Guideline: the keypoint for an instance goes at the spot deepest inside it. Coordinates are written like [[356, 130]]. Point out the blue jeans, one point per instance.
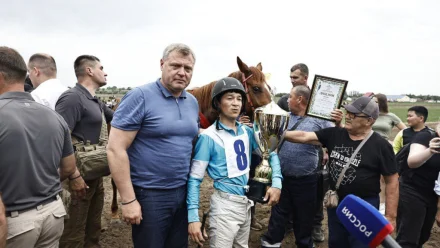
[[338, 236], [298, 199], [164, 218]]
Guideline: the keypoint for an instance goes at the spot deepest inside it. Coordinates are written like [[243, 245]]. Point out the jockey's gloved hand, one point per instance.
[[274, 162]]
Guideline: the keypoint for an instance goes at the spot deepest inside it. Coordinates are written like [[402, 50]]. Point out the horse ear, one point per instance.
[[242, 66], [260, 67]]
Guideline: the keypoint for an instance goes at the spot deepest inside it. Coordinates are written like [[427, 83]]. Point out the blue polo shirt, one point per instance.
[[160, 154]]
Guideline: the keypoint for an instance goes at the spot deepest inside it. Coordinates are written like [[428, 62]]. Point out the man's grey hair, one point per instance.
[[180, 48], [302, 90]]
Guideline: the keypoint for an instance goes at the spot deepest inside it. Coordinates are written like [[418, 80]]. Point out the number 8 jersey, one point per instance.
[[226, 157]]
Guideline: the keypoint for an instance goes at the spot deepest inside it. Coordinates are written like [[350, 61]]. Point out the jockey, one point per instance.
[[224, 150]]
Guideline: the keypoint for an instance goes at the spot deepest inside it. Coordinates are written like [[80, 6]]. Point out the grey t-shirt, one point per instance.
[[33, 140]]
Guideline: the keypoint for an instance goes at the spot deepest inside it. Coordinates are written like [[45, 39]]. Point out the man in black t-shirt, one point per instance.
[[418, 200], [83, 113], [362, 178]]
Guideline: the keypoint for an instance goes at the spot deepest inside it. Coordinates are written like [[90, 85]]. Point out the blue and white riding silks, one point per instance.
[[229, 168]]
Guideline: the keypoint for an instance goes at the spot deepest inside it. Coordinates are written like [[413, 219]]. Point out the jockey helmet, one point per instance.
[[224, 85]]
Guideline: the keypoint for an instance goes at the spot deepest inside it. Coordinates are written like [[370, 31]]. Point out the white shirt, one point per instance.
[[48, 92]]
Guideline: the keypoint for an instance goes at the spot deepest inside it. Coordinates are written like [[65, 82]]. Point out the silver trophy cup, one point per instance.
[[270, 122]]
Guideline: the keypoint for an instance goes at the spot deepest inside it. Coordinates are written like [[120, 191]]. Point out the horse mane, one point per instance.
[[256, 75]]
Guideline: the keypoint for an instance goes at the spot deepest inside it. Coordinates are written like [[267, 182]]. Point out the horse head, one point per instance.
[[258, 91]]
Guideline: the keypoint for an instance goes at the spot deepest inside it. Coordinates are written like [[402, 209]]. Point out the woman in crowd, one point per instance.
[[417, 199], [383, 126], [386, 121]]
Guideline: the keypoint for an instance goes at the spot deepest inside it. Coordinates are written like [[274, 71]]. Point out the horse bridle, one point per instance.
[[247, 90]]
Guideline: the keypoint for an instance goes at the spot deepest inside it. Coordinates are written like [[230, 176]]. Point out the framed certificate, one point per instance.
[[327, 94]]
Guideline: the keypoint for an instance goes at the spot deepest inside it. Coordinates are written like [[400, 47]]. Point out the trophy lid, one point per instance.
[[272, 108]]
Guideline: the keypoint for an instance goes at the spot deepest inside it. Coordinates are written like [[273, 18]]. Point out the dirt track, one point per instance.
[[119, 235]]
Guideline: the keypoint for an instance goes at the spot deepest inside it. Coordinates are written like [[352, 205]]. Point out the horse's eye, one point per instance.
[[256, 89]]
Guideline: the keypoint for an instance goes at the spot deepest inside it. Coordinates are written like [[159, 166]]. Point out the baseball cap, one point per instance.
[[364, 105]]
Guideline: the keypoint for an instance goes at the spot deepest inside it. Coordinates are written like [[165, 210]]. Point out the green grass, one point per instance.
[[401, 109]]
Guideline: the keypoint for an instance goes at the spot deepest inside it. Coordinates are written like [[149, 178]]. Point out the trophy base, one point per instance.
[[257, 191]]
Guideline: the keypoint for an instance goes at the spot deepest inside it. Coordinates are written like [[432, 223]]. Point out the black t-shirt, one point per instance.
[[424, 177], [362, 178], [83, 113]]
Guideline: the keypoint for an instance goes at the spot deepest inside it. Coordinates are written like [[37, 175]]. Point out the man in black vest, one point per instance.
[[416, 119]]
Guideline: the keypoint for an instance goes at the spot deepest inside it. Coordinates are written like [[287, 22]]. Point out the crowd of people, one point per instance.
[[158, 156]]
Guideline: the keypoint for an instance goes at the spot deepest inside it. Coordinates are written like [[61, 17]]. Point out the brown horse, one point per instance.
[[257, 91]]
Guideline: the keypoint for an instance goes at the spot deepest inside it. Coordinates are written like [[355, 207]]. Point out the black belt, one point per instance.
[[38, 207]]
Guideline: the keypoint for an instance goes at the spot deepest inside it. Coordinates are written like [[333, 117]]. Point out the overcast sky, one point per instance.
[[389, 46]]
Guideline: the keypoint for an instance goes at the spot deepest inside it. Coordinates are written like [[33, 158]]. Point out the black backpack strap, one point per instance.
[[291, 129]]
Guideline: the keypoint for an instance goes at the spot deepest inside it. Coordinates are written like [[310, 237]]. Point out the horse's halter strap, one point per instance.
[[247, 90]]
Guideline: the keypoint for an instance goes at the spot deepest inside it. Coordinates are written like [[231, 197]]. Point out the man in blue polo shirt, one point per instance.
[[224, 150], [300, 172], [149, 152]]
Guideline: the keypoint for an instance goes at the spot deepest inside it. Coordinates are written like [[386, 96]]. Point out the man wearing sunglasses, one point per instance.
[[362, 178]]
